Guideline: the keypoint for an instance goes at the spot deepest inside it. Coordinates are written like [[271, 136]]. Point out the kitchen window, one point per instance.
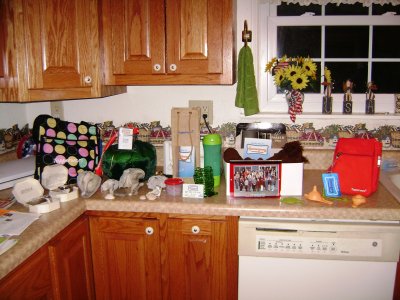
[[354, 41]]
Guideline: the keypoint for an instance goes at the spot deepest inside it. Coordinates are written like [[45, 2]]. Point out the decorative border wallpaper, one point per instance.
[[309, 136]]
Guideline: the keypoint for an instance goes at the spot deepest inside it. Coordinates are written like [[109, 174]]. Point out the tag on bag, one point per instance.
[[357, 163], [331, 185]]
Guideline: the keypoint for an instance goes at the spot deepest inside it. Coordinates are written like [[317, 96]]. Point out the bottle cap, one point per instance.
[[212, 139]]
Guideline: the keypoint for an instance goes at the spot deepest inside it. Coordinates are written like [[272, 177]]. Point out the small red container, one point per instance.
[[174, 186]]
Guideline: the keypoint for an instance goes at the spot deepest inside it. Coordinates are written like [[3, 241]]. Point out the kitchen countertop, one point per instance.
[[380, 206]]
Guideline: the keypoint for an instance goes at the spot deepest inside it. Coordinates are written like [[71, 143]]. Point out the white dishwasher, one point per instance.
[[317, 260]]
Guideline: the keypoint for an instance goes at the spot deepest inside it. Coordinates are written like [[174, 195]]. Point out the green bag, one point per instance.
[[143, 156]]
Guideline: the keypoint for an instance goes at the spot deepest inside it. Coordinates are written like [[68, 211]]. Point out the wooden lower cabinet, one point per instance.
[[126, 258], [30, 281], [61, 269], [162, 256], [202, 258], [71, 262]]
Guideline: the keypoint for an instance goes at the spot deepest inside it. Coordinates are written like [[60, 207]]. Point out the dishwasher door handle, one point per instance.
[[275, 229]]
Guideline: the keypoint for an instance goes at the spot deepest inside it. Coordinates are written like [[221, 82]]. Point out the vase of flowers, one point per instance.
[[293, 75]]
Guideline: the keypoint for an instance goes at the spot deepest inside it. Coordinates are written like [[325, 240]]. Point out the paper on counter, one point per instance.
[[6, 243], [14, 223]]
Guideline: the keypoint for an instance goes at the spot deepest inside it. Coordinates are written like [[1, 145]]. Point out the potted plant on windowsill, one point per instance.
[[293, 75]]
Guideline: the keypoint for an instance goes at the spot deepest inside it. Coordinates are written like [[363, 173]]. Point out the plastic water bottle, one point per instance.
[[212, 155]]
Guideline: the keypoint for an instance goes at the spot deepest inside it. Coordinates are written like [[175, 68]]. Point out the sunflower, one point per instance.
[[327, 75], [292, 71], [309, 67], [270, 64], [279, 76], [299, 81]]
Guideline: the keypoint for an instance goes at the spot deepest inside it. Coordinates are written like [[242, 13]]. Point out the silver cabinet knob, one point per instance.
[[88, 79], [149, 230], [157, 67], [195, 229], [172, 67]]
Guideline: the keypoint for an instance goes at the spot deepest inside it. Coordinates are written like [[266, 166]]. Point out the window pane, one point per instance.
[[332, 9], [381, 9], [292, 9], [384, 45], [346, 41], [355, 71], [299, 41], [386, 76]]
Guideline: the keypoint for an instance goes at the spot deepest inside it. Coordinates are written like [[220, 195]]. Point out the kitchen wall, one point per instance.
[[11, 114], [145, 104]]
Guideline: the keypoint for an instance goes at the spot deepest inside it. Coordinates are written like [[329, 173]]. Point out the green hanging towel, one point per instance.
[[246, 91]]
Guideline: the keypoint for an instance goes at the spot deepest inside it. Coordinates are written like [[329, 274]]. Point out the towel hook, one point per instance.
[[246, 34]]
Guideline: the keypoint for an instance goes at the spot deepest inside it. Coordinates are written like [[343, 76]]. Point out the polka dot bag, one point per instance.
[[74, 145]]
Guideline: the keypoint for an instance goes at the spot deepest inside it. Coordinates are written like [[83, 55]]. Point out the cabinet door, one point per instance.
[[195, 36], [200, 262], [71, 262], [134, 35], [3, 38], [126, 258], [62, 48], [30, 281], [10, 51], [168, 41]]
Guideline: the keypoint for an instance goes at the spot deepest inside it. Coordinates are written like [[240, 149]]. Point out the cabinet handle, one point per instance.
[[88, 79], [172, 67], [195, 229], [157, 67], [149, 230]]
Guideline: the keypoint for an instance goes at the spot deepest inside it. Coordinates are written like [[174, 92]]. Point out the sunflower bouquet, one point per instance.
[[293, 75]]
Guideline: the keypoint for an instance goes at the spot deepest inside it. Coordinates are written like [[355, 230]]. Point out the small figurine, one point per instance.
[[347, 100], [327, 99], [88, 183], [130, 179], [358, 200], [370, 98], [314, 195], [108, 187]]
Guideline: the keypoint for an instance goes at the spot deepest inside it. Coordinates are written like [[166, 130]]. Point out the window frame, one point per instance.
[[268, 22]]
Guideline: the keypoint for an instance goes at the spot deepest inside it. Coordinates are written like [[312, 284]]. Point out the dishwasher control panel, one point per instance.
[[320, 246], [319, 240]]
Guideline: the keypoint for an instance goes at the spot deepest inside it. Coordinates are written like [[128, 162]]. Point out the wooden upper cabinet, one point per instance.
[[168, 41], [60, 43], [56, 49], [133, 32], [9, 12], [3, 37]]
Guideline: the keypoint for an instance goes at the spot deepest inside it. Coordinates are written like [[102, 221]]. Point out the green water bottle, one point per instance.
[[212, 155]]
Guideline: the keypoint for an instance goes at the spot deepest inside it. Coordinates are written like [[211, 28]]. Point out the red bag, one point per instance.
[[357, 163]]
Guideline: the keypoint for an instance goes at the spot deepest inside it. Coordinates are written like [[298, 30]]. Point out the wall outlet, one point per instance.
[[57, 109], [206, 107]]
